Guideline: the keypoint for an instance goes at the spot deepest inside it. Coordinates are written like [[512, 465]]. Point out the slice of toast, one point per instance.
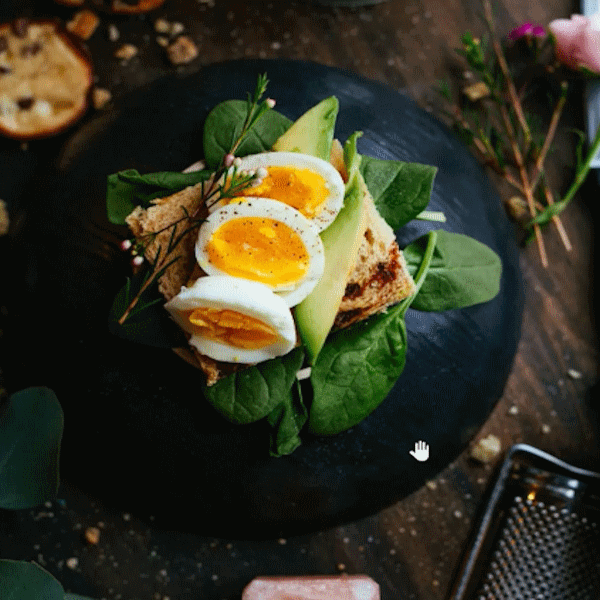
[[380, 277]]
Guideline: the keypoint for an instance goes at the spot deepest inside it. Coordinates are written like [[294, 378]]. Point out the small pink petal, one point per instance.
[[527, 29]]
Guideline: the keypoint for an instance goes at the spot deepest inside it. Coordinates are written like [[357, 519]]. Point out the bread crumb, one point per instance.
[[101, 97], [545, 428], [432, 485], [513, 410], [162, 26], [112, 32], [83, 24], [126, 52], [176, 28], [182, 50], [92, 535], [163, 41], [477, 91], [486, 449], [72, 562], [4, 220], [574, 374]]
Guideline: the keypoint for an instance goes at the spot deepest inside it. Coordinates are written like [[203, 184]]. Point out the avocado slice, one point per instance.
[[341, 241], [312, 133]]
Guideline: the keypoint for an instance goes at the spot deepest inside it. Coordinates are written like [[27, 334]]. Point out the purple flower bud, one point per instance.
[[526, 30], [270, 102], [137, 261], [228, 160], [125, 245]]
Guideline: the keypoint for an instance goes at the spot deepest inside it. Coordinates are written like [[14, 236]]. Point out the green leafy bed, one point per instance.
[[357, 366]]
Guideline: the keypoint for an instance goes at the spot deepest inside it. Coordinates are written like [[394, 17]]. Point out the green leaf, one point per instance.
[[358, 366], [224, 125], [286, 421], [463, 272], [149, 323], [355, 371], [128, 189], [400, 190], [20, 580], [31, 428], [352, 158], [253, 393]]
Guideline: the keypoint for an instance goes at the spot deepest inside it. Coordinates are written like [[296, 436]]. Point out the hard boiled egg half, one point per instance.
[[309, 184], [266, 241], [234, 320]]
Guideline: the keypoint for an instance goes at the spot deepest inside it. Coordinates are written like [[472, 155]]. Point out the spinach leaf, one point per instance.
[[149, 323], [286, 421], [358, 366], [254, 393], [355, 371], [128, 189], [400, 190], [224, 124], [463, 272]]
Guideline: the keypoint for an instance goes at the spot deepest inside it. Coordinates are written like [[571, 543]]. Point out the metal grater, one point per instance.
[[539, 536]]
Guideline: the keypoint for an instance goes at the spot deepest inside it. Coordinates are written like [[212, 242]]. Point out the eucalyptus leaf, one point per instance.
[[399, 189], [31, 428], [127, 189], [254, 393], [224, 125], [463, 272], [20, 580]]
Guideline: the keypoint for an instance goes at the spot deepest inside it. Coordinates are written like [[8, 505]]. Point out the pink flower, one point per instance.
[[578, 41], [526, 30]]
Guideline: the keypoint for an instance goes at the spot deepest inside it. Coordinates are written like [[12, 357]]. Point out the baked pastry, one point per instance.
[[45, 79], [128, 7]]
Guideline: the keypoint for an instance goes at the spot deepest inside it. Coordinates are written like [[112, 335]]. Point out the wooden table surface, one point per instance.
[[550, 400]]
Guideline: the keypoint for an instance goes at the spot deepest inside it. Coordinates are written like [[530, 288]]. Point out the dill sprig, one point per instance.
[[227, 181]]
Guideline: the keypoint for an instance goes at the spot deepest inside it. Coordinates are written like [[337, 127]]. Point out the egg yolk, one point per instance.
[[232, 328], [259, 249], [303, 189]]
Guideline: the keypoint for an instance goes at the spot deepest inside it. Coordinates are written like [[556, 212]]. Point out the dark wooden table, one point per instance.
[[551, 399]]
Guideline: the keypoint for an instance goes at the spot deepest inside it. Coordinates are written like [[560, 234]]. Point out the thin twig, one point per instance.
[[526, 185], [512, 92]]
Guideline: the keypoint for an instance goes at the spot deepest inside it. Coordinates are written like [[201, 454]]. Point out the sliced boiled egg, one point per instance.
[[266, 241], [234, 320], [309, 184]]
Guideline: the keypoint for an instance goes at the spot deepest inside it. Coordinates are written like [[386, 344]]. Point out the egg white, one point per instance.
[[333, 180], [240, 295], [292, 293]]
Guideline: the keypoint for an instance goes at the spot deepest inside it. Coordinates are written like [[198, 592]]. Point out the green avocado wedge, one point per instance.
[[341, 241], [312, 132]]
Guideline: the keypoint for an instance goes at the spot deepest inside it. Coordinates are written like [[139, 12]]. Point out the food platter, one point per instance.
[[136, 413]]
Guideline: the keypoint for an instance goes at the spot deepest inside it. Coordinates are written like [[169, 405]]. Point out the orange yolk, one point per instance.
[[232, 328], [259, 249], [302, 189]]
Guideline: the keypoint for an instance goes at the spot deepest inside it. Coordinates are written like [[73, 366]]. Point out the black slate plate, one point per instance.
[[133, 414]]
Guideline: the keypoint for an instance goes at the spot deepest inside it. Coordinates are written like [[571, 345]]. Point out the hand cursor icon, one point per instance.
[[421, 451]]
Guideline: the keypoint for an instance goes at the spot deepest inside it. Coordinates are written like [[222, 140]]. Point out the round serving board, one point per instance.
[[138, 433]]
